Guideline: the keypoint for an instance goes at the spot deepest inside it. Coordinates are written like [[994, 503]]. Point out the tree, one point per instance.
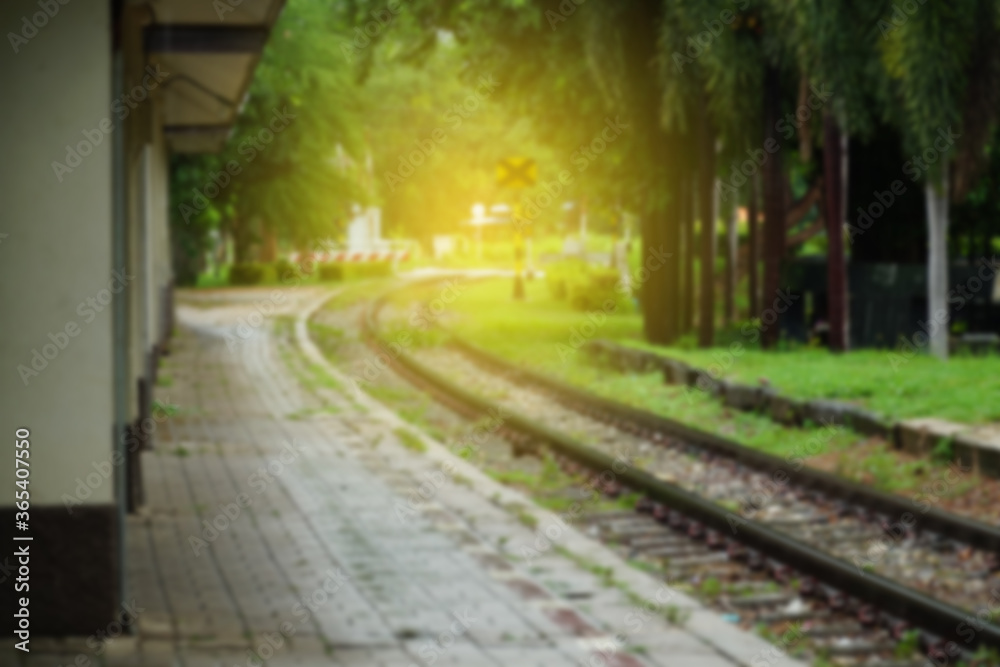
[[192, 214], [301, 106], [835, 45], [732, 244], [774, 199], [753, 243], [275, 178], [930, 57], [833, 198], [707, 217]]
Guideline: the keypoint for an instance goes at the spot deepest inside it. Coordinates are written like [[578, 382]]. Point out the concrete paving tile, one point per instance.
[[526, 656], [378, 657], [336, 505]]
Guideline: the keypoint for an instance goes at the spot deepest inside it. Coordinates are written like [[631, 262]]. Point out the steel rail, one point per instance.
[[946, 621]]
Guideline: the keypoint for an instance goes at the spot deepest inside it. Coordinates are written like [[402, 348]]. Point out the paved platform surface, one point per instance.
[[281, 526]]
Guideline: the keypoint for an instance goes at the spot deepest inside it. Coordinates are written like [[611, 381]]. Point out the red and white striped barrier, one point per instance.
[[357, 256]]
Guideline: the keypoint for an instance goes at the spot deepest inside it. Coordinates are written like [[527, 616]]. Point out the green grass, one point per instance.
[[539, 333], [546, 334], [499, 253], [270, 277], [328, 339], [410, 441], [921, 387]]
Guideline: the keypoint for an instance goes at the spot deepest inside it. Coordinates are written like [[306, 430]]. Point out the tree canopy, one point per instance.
[[408, 105]]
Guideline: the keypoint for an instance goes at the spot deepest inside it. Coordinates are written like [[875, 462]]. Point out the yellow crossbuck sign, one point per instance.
[[516, 172]]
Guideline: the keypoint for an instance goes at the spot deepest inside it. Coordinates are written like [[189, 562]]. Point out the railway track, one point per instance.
[[792, 551]]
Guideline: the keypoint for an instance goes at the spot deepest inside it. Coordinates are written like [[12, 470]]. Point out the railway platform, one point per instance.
[[289, 520]]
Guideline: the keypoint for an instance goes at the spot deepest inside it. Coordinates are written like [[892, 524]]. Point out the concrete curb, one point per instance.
[[970, 446]]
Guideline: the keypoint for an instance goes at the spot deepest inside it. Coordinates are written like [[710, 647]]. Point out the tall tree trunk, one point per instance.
[[690, 252], [242, 239], [732, 242], [652, 317], [937, 264], [269, 247], [658, 300], [753, 243], [673, 263], [706, 214], [774, 206], [641, 21], [836, 270]]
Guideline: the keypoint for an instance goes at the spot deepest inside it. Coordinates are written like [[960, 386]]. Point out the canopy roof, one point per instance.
[[210, 49]]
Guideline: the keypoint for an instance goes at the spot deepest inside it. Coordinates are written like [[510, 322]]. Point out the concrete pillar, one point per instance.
[[58, 289], [162, 270]]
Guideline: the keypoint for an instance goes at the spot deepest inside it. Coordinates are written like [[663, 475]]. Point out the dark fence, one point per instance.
[[888, 302]]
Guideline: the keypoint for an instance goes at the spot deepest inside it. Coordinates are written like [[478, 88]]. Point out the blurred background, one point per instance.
[[774, 222], [838, 151]]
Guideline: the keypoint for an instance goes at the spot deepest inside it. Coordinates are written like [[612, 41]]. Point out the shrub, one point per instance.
[[594, 289], [287, 270], [559, 274], [337, 271], [368, 270], [246, 274], [331, 272]]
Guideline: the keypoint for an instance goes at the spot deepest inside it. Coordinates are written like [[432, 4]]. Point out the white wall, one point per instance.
[[162, 268], [57, 252]]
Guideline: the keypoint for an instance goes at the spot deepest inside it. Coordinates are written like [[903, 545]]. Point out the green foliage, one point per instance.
[[328, 339], [927, 57], [406, 122], [338, 271], [596, 289], [908, 645], [410, 441], [711, 587], [299, 118], [331, 272], [246, 274], [286, 270], [294, 182], [558, 275], [189, 227], [367, 270], [944, 451], [585, 287]]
